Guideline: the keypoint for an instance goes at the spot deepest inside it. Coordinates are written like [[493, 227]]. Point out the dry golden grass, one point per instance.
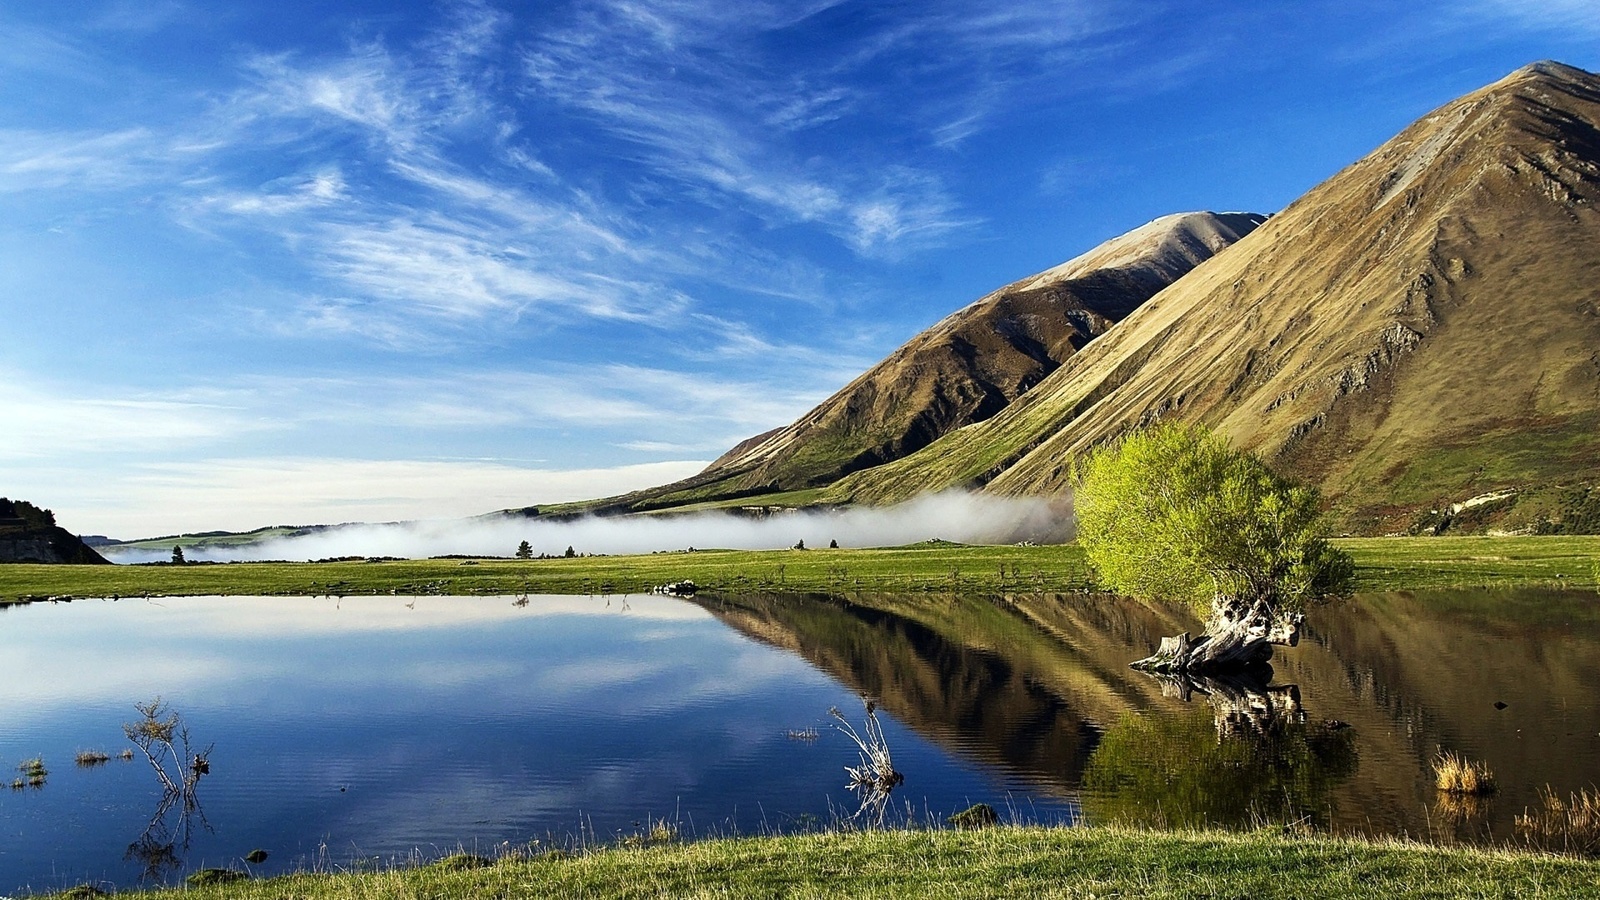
[[1570, 824], [1455, 774]]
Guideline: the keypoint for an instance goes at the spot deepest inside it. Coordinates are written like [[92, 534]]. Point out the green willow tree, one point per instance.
[[1173, 513]]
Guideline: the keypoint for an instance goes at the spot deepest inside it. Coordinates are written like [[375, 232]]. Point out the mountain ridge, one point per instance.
[[963, 369], [1363, 335]]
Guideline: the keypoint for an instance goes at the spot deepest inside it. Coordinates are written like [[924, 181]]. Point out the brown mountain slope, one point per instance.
[[964, 369], [972, 364], [1421, 329]]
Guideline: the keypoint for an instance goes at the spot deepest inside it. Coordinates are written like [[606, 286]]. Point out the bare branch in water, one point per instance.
[[875, 779]]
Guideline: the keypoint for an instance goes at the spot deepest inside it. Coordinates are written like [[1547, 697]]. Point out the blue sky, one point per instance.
[[297, 262]]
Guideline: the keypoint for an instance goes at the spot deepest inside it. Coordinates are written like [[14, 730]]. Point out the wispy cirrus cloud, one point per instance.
[[411, 189], [653, 77], [614, 402], [284, 196], [44, 421], [1543, 15], [35, 160]]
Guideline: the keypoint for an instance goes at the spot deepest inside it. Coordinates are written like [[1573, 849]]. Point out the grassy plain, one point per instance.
[[1381, 564], [994, 862]]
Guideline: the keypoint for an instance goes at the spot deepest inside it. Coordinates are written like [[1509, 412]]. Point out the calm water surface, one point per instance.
[[371, 729], [376, 728]]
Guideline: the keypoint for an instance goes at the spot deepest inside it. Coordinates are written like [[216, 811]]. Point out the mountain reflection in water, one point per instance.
[[1341, 739]]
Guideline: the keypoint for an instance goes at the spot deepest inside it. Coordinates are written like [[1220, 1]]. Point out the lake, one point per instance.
[[363, 731]]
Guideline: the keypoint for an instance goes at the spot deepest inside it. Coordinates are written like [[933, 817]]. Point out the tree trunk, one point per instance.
[[1239, 636]]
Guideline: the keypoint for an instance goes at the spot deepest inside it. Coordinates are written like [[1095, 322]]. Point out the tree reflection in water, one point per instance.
[[1256, 762], [161, 736]]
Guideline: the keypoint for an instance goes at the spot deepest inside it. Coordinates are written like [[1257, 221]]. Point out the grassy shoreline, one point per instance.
[[994, 862], [1382, 564]]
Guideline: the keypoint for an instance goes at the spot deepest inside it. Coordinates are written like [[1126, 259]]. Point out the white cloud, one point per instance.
[[285, 196], [667, 405], [44, 423], [363, 88], [43, 160]]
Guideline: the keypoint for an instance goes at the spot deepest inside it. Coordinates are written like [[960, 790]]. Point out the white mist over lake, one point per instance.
[[954, 516]]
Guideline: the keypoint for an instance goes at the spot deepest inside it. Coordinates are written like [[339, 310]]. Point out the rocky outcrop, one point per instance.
[[29, 534]]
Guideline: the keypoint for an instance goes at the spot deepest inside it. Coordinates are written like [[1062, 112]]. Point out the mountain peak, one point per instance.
[[1175, 243], [1552, 70]]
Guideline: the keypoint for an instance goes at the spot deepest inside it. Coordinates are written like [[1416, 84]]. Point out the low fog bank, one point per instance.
[[960, 517]]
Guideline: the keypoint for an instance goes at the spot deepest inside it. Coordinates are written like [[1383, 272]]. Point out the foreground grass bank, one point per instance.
[[996, 862], [1381, 564]]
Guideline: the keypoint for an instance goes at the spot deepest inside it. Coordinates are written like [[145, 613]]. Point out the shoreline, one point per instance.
[[1382, 564]]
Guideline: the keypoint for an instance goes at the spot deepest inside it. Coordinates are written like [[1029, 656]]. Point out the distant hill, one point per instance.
[[1419, 335], [964, 369], [203, 541], [29, 534]]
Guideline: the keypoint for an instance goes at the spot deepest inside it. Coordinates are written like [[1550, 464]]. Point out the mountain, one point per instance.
[[1419, 336], [962, 370], [29, 534]]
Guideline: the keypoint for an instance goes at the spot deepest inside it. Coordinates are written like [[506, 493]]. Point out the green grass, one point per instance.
[[1382, 564], [1394, 564], [915, 569], [994, 862]]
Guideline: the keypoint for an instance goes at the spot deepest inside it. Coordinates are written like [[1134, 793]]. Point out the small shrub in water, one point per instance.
[[88, 759], [1458, 775], [33, 774]]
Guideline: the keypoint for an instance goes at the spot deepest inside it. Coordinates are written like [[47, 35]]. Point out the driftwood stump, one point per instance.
[[1239, 636]]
